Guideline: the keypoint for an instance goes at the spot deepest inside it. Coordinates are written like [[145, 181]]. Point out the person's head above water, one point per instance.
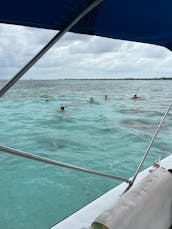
[[106, 97], [91, 100], [135, 97], [62, 109]]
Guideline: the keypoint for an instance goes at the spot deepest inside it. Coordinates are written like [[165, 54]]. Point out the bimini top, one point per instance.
[[148, 21]]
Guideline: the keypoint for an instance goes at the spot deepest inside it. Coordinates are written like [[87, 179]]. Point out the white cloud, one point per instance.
[[77, 56]]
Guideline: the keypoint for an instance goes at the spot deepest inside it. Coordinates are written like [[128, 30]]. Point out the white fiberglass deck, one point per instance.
[[83, 218]]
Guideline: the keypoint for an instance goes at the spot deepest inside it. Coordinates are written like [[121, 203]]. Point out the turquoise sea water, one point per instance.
[[108, 136]]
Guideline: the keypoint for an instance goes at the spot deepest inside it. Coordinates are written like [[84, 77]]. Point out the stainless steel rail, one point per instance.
[[148, 149], [58, 163]]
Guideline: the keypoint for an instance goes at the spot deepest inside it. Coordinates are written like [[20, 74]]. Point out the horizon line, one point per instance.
[[153, 78]]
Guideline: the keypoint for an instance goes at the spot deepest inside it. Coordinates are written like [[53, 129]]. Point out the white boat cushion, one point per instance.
[[147, 205]]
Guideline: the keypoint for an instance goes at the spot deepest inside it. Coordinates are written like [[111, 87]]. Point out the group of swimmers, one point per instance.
[[91, 100]]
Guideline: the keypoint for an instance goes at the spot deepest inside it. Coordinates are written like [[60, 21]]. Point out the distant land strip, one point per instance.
[[162, 78]]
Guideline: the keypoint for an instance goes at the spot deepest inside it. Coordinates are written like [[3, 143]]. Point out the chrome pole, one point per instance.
[[9, 84], [148, 148], [58, 163]]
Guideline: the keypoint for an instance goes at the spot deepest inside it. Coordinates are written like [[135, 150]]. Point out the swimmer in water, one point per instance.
[[61, 109], [135, 97], [91, 100], [106, 97]]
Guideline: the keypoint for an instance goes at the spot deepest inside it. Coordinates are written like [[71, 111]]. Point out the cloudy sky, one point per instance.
[[79, 56]]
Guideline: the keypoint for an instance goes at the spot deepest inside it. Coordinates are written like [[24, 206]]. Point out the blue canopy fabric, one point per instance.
[[148, 21]]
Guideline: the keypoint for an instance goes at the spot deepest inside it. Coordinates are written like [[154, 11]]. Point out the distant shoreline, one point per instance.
[[162, 78]]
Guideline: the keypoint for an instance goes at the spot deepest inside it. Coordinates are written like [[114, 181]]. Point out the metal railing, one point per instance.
[[148, 148], [58, 163]]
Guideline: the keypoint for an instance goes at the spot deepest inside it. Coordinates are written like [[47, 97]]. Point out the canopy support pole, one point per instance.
[[58, 163], [57, 37], [148, 149]]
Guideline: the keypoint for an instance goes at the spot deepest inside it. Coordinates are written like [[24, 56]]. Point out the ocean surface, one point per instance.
[[108, 136]]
